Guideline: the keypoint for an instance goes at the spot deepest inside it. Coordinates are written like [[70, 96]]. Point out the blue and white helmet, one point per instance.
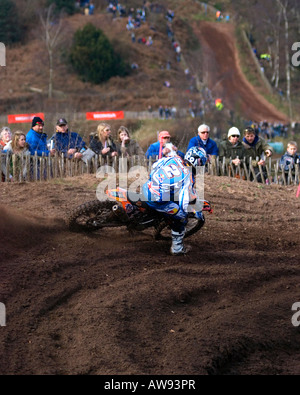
[[196, 156]]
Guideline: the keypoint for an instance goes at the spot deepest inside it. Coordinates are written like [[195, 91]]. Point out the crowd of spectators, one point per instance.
[[236, 150], [167, 112], [87, 7], [68, 144], [269, 130], [64, 143]]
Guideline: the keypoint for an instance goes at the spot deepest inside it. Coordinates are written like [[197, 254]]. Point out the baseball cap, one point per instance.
[[61, 121], [163, 134]]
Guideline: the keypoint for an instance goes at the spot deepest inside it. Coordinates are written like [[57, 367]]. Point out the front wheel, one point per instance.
[[91, 216]]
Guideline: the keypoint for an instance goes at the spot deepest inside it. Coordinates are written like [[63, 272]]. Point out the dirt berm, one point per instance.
[[223, 74], [110, 303]]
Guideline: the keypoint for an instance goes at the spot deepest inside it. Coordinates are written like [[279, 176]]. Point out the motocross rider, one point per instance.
[[170, 190]]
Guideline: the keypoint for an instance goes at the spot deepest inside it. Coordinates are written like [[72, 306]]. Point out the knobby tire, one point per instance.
[[88, 210]]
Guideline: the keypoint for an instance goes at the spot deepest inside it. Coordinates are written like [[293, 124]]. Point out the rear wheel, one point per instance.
[[91, 216]]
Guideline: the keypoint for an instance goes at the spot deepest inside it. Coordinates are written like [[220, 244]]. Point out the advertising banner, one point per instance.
[[104, 115], [24, 118]]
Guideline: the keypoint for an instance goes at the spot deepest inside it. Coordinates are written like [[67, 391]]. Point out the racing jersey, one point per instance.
[[170, 180]]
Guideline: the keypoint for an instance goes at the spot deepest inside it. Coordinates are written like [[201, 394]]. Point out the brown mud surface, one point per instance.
[[224, 76], [113, 303]]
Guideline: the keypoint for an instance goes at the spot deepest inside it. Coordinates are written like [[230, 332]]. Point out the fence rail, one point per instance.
[[26, 168]]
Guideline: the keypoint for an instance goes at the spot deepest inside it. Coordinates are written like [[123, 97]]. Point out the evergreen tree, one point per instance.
[[93, 57], [64, 5], [10, 30]]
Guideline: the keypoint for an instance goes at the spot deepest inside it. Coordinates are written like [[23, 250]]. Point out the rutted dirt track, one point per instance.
[[111, 303], [223, 74]]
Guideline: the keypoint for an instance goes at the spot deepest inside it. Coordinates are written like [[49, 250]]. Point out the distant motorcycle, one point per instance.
[[128, 210]]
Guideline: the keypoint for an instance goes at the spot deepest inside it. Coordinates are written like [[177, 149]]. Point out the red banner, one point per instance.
[[24, 118], [104, 115]]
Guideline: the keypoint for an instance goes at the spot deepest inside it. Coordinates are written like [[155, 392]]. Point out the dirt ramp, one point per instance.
[[224, 76]]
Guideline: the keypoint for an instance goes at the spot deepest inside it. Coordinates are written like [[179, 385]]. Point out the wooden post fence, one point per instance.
[[26, 168]]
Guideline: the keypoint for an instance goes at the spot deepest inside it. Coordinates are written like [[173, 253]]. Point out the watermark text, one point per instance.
[[296, 55], [2, 314], [134, 181], [2, 55], [296, 316]]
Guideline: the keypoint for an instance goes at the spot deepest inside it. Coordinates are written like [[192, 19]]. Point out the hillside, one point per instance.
[[225, 77], [24, 82]]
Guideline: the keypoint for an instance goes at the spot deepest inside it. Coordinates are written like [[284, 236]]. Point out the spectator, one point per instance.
[[91, 8], [5, 136], [204, 141], [167, 112], [232, 149], [37, 139], [265, 56], [67, 142], [19, 147], [126, 146], [173, 112], [256, 147], [102, 143], [149, 41], [170, 15], [161, 111], [289, 159], [159, 149], [219, 104], [134, 66], [178, 53]]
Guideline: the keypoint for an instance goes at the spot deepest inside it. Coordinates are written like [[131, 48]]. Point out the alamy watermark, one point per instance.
[[2, 314], [296, 55], [296, 316], [132, 181], [2, 55]]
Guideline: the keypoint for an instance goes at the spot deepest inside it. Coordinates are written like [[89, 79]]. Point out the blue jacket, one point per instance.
[[210, 147], [153, 151], [37, 142], [287, 160], [62, 142]]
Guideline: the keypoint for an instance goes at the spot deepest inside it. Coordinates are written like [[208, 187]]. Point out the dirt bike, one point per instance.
[[127, 209]]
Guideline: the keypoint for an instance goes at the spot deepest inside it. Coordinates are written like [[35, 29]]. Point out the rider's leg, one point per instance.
[[178, 219], [177, 247], [178, 222]]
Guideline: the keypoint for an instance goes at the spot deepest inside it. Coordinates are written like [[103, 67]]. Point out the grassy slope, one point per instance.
[[27, 67]]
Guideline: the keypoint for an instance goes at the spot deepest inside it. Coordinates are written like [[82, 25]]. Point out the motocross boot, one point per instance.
[[177, 247]]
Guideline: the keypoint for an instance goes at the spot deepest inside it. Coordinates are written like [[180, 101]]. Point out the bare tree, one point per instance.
[[52, 27], [284, 7], [276, 34]]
